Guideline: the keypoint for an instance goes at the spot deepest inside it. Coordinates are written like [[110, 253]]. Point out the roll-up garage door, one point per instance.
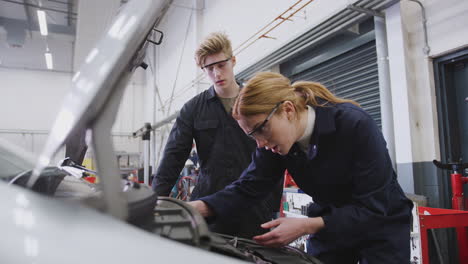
[[351, 75]]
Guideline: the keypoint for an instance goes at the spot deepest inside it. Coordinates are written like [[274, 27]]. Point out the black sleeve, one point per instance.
[[176, 152], [256, 182]]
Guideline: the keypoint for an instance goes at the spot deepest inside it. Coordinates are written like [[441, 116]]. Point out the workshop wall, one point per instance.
[[413, 89], [23, 97], [31, 100], [447, 32], [420, 145], [29, 103]]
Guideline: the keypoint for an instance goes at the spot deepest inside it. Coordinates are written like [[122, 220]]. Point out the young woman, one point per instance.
[[336, 153]]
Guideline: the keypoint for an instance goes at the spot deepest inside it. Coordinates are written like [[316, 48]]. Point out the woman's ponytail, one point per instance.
[[266, 89], [313, 90]]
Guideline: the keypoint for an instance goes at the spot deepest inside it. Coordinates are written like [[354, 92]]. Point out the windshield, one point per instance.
[[11, 164], [54, 181]]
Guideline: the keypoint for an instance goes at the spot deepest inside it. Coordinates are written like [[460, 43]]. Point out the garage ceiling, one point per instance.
[[21, 44]]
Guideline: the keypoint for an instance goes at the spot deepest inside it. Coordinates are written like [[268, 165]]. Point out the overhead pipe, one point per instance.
[[165, 121], [365, 10], [60, 2], [24, 131], [381, 46], [70, 11], [285, 19], [263, 28], [280, 17], [385, 91], [28, 19], [41, 7], [426, 48], [342, 20]]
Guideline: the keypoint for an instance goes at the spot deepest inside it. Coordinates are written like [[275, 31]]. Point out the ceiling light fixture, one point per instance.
[[41, 16], [49, 61]]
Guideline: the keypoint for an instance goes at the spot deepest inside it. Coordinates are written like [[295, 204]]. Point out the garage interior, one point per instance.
[[404, 61]]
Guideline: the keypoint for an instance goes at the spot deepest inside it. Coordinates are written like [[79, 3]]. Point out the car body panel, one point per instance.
[[43, 230]]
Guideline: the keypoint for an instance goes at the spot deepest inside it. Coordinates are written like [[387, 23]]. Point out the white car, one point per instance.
[[60, 220]]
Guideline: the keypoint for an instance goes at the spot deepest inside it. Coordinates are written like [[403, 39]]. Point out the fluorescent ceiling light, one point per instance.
[[41, 16], [48, 59]]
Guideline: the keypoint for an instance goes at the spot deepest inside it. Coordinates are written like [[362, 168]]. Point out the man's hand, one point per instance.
[[287, 230], [202, 208]]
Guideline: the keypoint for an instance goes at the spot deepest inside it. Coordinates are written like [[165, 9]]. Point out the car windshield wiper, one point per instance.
[[67, 162]]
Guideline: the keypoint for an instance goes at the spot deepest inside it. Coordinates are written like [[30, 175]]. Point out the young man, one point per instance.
[[223, 149]]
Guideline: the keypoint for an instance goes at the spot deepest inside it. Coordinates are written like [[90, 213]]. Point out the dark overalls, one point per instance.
[[224, 151], [348, 173]]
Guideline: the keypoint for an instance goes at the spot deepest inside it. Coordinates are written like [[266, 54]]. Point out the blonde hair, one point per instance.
[[266, 89], [214, 43]]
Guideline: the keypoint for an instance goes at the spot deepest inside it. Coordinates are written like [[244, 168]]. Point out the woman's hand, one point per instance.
[[287, 230], [202, 208]]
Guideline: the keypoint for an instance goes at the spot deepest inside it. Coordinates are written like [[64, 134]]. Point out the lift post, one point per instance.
[[145, 134]]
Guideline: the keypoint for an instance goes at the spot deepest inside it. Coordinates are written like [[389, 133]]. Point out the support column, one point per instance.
[[397, 45], [385, 86]]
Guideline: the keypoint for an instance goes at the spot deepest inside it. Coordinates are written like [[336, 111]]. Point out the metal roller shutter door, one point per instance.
[[352, 75]]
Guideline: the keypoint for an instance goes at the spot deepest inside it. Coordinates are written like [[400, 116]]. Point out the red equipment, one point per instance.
[[458, 202], [430, 218], [445, 218]]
